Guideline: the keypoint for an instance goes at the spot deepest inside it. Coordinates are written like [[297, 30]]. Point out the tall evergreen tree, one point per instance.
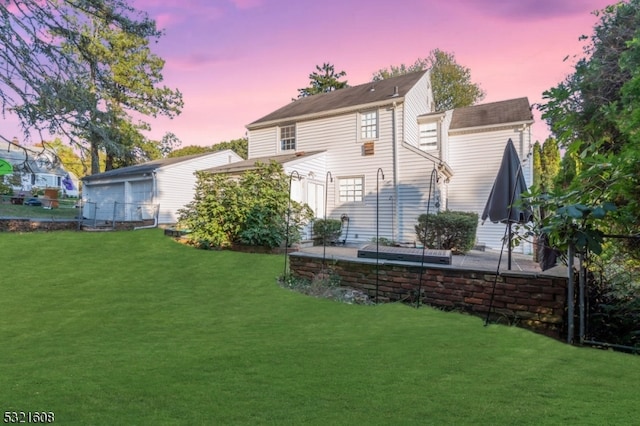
[[537, 165], [550, 164], [324, 79], [80, 69]]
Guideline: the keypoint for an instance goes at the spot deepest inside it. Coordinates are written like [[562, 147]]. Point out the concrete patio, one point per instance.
[[474, 260]]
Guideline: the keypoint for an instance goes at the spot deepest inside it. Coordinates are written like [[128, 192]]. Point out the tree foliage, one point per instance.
[[69, 158], [239, 146], [546, 165], [324, 79], [594, 116], [451, 82], [251, 210], [80, 69]]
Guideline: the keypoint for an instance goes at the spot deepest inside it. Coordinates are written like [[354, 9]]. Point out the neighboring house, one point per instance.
[[370, 151], [138, 192], [36, 170]]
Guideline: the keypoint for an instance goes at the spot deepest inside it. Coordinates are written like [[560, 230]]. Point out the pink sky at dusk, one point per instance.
[[238, 60]]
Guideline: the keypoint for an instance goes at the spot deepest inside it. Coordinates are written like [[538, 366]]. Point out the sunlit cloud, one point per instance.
[[527, 10], [194, 61], [246, 4]]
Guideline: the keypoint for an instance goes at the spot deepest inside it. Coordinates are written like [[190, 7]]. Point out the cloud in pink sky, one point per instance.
[[237, 60]]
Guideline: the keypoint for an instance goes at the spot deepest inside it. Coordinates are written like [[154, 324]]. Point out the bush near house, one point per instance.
[[448, 230], [326, 231], [253, 209]]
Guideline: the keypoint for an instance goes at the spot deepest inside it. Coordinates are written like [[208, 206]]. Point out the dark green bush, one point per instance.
[[448, 230], [326, 231]]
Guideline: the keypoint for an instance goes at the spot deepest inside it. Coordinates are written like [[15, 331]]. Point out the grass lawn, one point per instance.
[[66, 210], [133, 328]]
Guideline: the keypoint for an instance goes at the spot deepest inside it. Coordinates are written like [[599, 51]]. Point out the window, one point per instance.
[[429, 136], [369, 125], [351, 188], [288, 137]]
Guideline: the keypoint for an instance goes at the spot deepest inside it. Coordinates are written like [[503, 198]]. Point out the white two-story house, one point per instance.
[[379, 154]]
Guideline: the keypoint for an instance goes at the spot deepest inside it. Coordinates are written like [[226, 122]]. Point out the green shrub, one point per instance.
[[252, 210], [448, 230], [383, 241], [326, 230]]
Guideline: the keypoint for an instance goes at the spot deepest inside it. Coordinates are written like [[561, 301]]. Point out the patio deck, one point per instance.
[[473, 260]]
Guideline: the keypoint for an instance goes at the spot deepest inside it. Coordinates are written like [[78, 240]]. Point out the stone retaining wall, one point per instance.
[[530, 300], [29, 225]]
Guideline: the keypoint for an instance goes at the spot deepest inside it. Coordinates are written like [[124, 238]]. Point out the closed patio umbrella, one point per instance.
[[506, 191]]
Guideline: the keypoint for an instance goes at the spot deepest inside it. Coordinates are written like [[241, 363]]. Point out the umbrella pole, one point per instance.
[[509, 249]]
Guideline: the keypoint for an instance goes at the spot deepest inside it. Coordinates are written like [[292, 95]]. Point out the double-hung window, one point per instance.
[[288, 137], [351, 188], [369, 125]]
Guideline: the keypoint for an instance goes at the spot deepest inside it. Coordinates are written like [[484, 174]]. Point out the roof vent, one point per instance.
[[395, 92], [373, 89]]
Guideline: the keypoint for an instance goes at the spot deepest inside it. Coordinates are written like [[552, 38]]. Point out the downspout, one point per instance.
[[396, 165], [157, 207]]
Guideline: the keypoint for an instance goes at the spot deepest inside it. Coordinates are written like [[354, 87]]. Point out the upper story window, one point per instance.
[[429, 136], [351, 188], [288, 137], [369, 125]]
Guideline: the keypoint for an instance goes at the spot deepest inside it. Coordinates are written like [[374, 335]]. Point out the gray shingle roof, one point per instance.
[[147, 167], [344, 98], [250, 164], [502, 112]]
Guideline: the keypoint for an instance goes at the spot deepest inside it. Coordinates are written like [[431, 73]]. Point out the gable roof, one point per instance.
[[147, 167], [350, 97], [250, 164], [495, 113]]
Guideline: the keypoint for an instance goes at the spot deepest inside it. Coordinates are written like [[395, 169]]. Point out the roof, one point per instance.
[[502, 112], [147, 167], [349, 97], [250, 164]]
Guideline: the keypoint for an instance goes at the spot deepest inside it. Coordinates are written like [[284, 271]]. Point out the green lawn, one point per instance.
[[133, 328], [65, 210]]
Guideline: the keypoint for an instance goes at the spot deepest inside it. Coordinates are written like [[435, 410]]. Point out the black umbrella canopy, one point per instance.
[[507, 190]]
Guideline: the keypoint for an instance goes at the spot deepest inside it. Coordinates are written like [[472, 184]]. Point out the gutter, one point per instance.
[[396, 167], [157, 212]]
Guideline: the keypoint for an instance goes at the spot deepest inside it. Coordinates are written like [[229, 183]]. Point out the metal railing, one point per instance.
[[109, 214]]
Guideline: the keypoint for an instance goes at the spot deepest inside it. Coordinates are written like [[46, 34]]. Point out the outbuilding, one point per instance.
[[153, 190]]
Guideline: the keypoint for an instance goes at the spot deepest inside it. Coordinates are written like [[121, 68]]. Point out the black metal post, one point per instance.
[[379, 172], [432, 178], [286, 237], [328, 178]]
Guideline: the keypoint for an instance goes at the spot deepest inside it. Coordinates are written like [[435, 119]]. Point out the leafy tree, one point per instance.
[[324, 79], [69, 158], [594, 115], [451, 82], [80, 69], [239, 146], [189, 150]]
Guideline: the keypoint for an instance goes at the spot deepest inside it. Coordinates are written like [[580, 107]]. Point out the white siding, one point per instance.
[[344, 156], [475, 159], [417, 102], [176, 183], [263, 142], [416, 171]]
